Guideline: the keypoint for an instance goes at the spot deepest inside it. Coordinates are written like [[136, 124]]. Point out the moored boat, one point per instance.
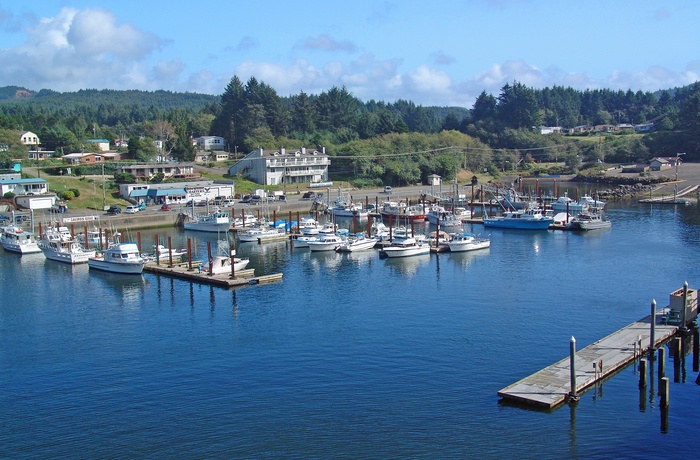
[[14, 238], [58, 245], [462, 242], [530, 218], [357, 242], [326, 242], [406, 247], [589, 221], [259, 233], [215, 222], [222, 265], [119, 258]]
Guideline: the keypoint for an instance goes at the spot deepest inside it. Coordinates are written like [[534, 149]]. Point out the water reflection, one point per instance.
[[466, 258], [407, 265], [131, 288]]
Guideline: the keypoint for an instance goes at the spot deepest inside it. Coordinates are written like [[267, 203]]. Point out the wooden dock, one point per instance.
[[550, 386], [196, 274]]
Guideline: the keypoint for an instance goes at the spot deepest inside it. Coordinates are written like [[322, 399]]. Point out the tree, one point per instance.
[[517, 107], [484, 107]]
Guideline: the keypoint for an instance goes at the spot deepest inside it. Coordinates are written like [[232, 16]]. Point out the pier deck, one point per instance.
[[550, 386], [182, 271]]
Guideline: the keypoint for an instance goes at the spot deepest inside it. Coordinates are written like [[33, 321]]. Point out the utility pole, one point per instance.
[[103, 186], [678, 160]]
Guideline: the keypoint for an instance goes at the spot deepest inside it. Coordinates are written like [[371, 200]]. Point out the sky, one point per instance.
[[441, 52]]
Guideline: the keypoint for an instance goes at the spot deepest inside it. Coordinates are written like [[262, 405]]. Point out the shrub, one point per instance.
[[66, 195], [8, 195], [76, 192]]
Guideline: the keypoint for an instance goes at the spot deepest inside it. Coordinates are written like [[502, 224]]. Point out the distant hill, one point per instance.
[[162, 100]]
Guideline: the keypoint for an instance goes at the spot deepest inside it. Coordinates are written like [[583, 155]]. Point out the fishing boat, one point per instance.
[[462, 242], [58, 244], [589, 221], [401, 211], [161, 253], [326, 242], [309, 226], [120, 258], [219, 265], [214, 222], [357, 242], [246, 220], [530, 218], [15, 239], [345, 207], [303, 241]]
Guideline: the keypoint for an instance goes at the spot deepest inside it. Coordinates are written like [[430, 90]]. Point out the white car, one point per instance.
[[131, 209], [388, 189]]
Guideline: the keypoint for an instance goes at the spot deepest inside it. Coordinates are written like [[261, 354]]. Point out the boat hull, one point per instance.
[[460, 246], [515, 224], [68, 257], [126, 268], [363, 245], [29, 248], [397, 252], [207, 227]]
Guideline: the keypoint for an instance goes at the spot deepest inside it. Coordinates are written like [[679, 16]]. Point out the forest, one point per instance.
[[370, 142]]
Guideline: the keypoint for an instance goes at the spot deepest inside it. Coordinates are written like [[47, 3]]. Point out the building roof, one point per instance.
[[34, 180]]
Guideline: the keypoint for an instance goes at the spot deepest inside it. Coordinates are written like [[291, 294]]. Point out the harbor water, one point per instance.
[[350, 356]]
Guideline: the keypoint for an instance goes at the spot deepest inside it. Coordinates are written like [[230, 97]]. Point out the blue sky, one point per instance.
[[431, 53]]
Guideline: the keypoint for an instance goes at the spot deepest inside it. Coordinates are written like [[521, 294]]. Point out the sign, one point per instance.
[[70, 220]]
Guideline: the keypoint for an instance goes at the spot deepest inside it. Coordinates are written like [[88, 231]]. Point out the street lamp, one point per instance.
[[678, 160]]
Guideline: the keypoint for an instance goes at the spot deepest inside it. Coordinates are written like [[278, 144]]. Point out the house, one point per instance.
[[102, 144], [210, 157], [582, 129], [210, 143], [604, 128], [660, 164], [33, 186], [146, 171], [644, 127], [30, 139], [434, 179], [90, 158], [550, 129], [40, 155], [274, 167]]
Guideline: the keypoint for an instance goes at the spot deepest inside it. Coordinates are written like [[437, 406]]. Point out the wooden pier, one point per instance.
[[551, 386], [197, 274]]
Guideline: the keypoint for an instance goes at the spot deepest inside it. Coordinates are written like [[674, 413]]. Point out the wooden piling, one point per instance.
[[572, 367], [664, 392], [157, 251], [642, 373], [170, 250], [652, 324], [189, 253], [662, 362]]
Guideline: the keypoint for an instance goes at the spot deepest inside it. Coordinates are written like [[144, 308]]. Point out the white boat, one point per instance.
[[163, 254], [467, 242], [215, 222], [566, 204], [219, 265], [96, 237], [328, 228], [309, 226], [247, 220], [530, 218], [303, 241], [402, 211], [259, 233], [58, 244], [15, 239], [406, 247], [589, 221], [120, 258], [326, 242], [379, 230], [357, 242], [435, 213]]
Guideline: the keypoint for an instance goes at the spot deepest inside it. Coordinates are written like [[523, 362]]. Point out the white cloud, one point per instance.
[[325, 42]]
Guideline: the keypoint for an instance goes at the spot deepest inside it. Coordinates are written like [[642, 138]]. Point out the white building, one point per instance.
[[177, 192], [210, 143], [29, 138], [146, 171], [275, 167]]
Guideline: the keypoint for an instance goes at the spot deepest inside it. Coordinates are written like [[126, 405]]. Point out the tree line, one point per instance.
[[367, 137]]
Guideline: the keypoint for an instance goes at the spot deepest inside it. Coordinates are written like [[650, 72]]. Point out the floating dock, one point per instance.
[[551, 386], [197, 274]]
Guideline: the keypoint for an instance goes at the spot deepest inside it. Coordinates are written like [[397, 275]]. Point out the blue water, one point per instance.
[[350, 356]]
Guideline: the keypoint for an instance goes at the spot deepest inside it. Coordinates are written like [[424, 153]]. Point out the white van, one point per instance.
[[132, 209]]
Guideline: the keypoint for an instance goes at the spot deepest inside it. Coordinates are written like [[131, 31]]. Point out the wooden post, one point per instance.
[[189, 252], [157, 251], [138, 241], [211, 262], [391, 237], [662, 361], [572, 365], [232, 253], [290, 223], [243, 217], [664, 392], [652, 338], [170, 250], [696, 347], [685, 304], [642, 373], [72, 230]]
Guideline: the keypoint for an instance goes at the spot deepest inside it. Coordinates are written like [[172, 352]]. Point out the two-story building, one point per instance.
[[102, 144], [210, 143], [275, 167], [146, 171], [30, 139]]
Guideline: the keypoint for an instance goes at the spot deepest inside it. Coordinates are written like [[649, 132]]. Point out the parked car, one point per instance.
[[131, 209], [388, 189], [246, 199], [142, 207], [165, 207], [308, 196], [114, 209]]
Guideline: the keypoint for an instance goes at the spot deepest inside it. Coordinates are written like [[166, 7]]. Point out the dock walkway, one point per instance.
[[182, 271], [550, 386]]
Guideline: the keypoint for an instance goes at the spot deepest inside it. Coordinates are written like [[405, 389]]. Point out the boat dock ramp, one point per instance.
[[196, 271], [551, 386]]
